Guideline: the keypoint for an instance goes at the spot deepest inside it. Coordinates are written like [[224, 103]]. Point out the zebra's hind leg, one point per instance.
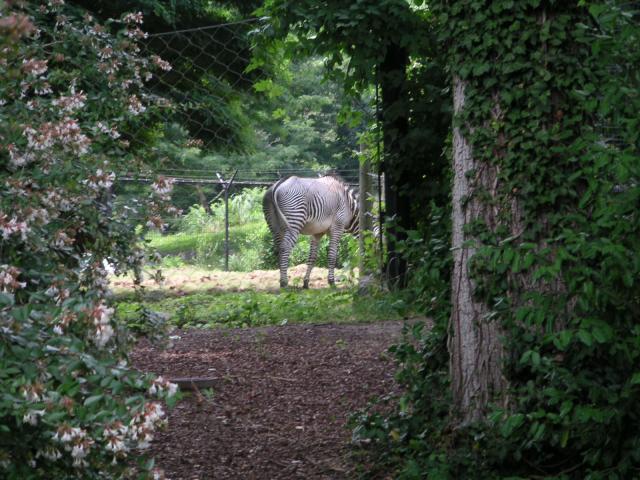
[[334, 242], [286, 245], [313, 255]]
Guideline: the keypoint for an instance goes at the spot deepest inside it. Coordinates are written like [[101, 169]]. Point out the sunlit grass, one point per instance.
[[258, 308], [196, 297], [192, 279]]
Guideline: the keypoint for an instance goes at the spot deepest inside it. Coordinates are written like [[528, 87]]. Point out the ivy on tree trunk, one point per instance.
[[474, 344]]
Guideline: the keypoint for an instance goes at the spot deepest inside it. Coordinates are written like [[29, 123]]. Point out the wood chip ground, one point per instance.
[[280, 403]]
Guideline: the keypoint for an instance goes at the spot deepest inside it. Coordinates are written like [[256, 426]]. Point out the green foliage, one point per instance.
[[244, 207], [404, 440], [349, 34], [70, 406], [560, 269], [207, 248], [215, 111], [255, 308]]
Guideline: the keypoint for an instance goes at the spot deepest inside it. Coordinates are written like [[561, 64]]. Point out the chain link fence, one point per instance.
[[208, 85]]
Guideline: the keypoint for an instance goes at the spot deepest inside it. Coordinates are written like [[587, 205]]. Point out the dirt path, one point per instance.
[[280, 407]]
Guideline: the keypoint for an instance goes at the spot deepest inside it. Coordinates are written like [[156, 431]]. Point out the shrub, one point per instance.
[[70, 97], [196, 220]]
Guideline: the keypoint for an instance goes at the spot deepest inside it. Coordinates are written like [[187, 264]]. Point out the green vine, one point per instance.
[[546, 82]]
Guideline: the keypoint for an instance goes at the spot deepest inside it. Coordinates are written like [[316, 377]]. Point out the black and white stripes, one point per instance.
[[309, 206]]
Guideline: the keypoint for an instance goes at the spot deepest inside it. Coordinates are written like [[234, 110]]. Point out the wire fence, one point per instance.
[[206, 75], [206, 88], [209, 85]]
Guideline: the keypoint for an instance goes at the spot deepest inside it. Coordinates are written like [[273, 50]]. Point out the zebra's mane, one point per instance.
[[340, 180]]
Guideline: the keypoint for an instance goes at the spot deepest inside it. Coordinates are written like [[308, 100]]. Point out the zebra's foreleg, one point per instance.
[[313, 255], [286, 245], [334, 242]]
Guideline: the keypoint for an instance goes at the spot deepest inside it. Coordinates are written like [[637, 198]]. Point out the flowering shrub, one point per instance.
[[70, 95]]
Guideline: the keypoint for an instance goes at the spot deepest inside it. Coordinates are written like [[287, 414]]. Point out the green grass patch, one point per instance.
[[255, 308], [207, 247]]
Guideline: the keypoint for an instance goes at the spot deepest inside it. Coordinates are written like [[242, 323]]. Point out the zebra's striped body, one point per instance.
[[309, 206]]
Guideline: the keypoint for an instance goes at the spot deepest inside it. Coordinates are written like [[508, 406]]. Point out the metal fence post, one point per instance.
[[226, 186], [226, 228]]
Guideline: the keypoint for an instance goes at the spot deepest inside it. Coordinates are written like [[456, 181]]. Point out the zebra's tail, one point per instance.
[[280, 219], [276, 220]]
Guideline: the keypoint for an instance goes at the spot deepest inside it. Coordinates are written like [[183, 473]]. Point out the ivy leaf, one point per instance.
[[92, 399], [563, 339], [585, 337], [513, 422]]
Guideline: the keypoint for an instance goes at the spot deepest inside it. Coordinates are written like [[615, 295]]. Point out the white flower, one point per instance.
[[135, 105], [115, 444], [154, 411], [106, 53], [102, 335], [34, 67], [117, 428], [159, 385], [78, 451], [9, 227], [162, 186], [162, 64], [134, 18], [136, 33], [66, 133], [52, 291], [62, 241], [101, 314], [70, 103], [31, 417], [50, 453], [43, 89], [9, 279], [66, 434], [172, 389], [19, 159], [37, 215], [101, 180]]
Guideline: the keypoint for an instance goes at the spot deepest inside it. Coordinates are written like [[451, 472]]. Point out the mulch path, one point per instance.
[[282, 398]]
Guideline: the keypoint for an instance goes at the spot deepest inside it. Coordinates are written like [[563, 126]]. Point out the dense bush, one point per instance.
[[70, 94]]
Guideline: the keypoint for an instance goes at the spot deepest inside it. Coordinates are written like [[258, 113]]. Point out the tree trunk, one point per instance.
[[365, 220], [475, 346], [395, 127]]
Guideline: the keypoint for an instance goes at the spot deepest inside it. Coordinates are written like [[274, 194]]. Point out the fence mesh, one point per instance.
[[206, 91]]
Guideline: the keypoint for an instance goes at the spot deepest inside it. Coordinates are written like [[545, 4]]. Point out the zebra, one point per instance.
[[309, 206]]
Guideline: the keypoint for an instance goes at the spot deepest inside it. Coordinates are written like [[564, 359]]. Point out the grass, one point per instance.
[[206, 248], [196, 293], [260, 308], [186, 279], [195, 297], [250, 248], [181, 242]]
